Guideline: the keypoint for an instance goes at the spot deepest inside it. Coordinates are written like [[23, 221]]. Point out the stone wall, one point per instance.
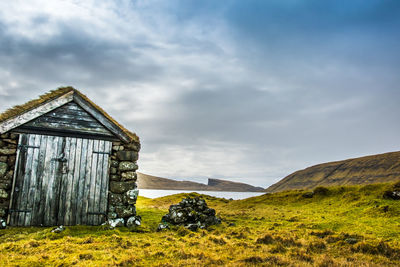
[[123, 190], [8, 150]]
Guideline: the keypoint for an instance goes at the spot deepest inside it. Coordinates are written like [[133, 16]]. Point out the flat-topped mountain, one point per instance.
[[365, 170], [146, 181], [224, 185]]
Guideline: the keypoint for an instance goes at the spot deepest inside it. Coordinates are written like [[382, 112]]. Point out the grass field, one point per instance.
[[338, 226]]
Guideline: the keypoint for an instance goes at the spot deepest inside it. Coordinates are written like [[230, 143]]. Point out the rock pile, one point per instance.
[[394, 193], [193, 213]]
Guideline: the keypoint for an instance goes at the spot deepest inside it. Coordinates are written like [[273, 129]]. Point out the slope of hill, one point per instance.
[[146, 181], [366, 170], [343, 226]]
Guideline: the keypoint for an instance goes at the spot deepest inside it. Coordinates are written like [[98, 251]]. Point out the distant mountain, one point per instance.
[[146, 181], [224, 185], [366, 170]]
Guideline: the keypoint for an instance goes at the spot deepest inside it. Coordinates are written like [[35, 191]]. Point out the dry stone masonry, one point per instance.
[[192, 213], [8, 150], [123, 188]]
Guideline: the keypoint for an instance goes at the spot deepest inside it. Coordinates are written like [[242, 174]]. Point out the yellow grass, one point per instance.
[[341, 226]]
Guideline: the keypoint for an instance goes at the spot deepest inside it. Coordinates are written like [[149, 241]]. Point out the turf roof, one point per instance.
[[20, 109]]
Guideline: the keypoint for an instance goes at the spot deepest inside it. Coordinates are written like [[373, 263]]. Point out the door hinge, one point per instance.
[[97, 213], [99, 152], [25, 147], [61, 158], [19, 211]]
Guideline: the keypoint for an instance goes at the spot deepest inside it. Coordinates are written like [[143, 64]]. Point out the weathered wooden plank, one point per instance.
[[101, 182], [92, 190], [115, 129], [87, 128], [75, 184], [65, 121], [16, 121], [62, 120], [24, 183], [60, 171], [81, 181], [65, 166], [105, 180], [70, 108], [51, 165], [43, 213], [70, 183], [69, 117], [36, 217], [97, 182], [18, 181], [33, 180], [65, 133], [27, 177], [67, 183], [85, 199]]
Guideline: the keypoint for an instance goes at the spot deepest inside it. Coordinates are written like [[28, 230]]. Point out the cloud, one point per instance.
[[249, 91]]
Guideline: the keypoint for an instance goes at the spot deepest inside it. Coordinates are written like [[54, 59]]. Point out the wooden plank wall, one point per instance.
[[70, 118], [61, 181]]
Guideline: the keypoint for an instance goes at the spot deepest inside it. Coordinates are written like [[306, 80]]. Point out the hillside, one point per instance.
[[380, 168], [340, 226], [146, 181]]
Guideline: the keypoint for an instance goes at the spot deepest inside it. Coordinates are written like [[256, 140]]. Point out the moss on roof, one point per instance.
[[20, 109]]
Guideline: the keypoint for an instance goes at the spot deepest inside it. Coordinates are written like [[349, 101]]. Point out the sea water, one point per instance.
[[154, 193]]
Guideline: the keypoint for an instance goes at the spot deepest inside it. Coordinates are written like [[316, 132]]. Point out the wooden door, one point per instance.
[[60, 181]]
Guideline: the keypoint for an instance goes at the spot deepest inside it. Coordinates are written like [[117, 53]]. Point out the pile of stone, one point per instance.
[[123, 187], [192, 213], [394, 193], [8, 150]]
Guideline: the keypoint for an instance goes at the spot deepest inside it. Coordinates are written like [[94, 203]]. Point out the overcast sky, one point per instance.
[[244, 90]]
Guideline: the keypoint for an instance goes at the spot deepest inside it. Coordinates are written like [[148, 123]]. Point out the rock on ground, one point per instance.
[[133, 221], [3, 224], [58, 229]]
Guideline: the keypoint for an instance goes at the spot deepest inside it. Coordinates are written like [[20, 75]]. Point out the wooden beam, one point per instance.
[[115, 129], [29, 115], [45, 131]]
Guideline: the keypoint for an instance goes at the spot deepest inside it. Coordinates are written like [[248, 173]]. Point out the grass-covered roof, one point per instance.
[[30, 105]]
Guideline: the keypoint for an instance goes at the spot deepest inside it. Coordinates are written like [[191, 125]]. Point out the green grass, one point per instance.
[[341, 226]]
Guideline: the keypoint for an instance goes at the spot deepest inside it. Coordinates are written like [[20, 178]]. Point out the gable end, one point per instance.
[[68, 119], [30, 113]]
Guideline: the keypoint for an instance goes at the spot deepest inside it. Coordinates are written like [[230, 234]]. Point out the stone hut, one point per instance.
[[64, 161]]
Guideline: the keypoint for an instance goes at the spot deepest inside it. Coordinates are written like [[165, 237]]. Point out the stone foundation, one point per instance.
[[123, 190], [8, 151]]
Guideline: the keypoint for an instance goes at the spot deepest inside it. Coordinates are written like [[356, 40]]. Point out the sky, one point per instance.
[[249, 91]]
